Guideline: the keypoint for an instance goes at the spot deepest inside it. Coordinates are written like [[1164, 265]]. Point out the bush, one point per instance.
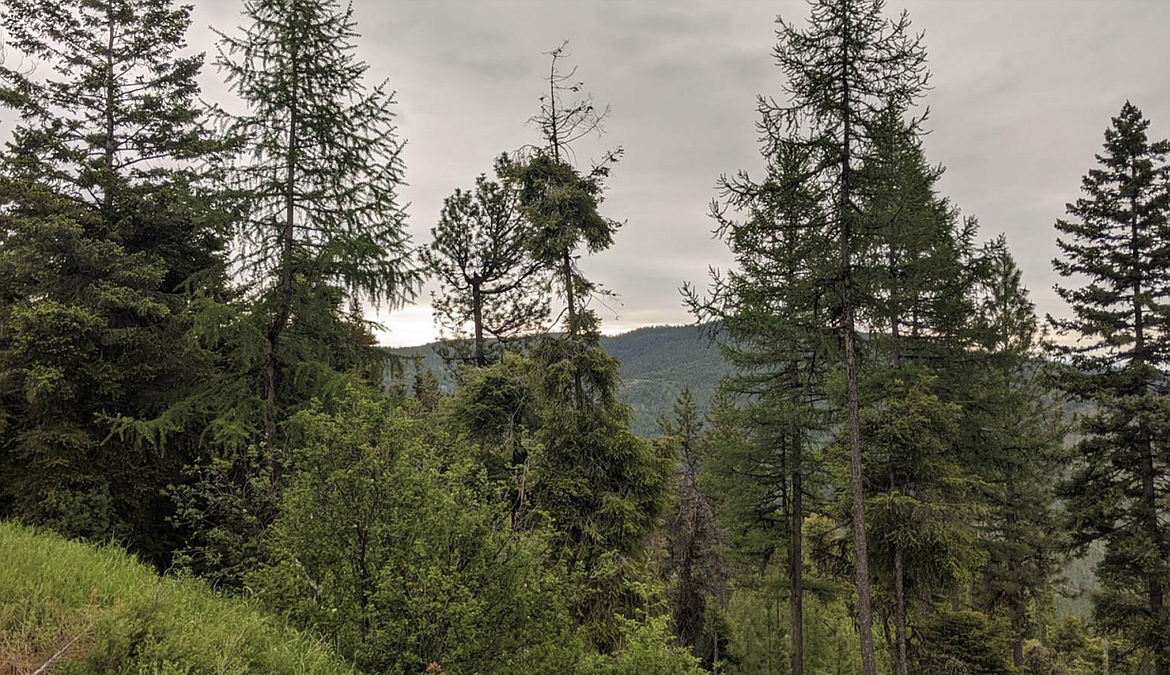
[[394, 544]]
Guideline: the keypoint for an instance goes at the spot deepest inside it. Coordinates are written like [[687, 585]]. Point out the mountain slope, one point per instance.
[[657, 361]]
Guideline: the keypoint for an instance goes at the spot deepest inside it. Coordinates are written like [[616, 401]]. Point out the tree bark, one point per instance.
[[1017, 638], [1148, 471], [571, 309], [477, 318], [900, 611], [796, 563], [284, 310], [848, 328]]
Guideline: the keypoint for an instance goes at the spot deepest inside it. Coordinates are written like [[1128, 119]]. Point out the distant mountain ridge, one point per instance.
[[657, 362]]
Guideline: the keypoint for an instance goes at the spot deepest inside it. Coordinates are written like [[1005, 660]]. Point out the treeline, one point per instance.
[[883, 483]]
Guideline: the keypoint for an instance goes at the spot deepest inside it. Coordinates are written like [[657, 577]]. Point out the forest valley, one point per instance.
[[890, 479]]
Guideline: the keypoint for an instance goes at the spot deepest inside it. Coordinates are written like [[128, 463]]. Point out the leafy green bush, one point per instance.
[[98, 610], [394, 544]]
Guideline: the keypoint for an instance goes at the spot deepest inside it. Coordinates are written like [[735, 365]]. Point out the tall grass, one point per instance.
[[66, 607]]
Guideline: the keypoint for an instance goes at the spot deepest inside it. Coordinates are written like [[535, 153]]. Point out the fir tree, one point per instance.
[[108, 229], [602, 487], [696, 571], [1117, 353], [487, 278], [1015, 448]]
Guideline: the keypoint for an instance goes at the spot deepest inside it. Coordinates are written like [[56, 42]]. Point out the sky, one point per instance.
[[1022, 93]]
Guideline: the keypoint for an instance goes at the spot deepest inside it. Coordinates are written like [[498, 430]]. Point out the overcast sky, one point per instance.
[[1022, 92]]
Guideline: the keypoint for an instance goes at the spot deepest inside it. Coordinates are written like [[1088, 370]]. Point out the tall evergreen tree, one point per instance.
[[769, 315], [843, 70], [319, 172], [561, 202], [107, 229], [916, 290], [1117, 351], [1015, 440], [487, 277], [602, 487]]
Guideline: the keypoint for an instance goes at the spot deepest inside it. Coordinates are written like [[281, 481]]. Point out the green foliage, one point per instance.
[[647, 650], [311, 118], [962, 641], [98, 610], [107, 226], [694, 567], [394, 545], [602, 488]]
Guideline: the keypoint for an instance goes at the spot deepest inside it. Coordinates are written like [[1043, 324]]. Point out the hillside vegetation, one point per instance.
[[657, 362], [70, 607]]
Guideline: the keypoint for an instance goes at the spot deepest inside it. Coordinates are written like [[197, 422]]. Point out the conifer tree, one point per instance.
[[1116, 349], [696, 571], [1014, 441], [319, 169], [602, 487], [916, 289], [769, 315], [487, 277], [849, 65], [108, 227]]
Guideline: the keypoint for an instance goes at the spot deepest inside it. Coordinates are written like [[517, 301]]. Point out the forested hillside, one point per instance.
[[657, 363]]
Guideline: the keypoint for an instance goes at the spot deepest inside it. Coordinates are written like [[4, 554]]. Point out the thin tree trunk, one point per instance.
[[284, 310], [796, 563], [848, 328], [1017, 639], [108, 145], [900, 610], [477, 318], [571, 308], [899, 572]]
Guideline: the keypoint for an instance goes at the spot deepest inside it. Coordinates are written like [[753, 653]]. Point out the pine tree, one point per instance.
[[487, 277], [109, 228], [917, 293], [1117, 353], [850, 64], [318, 174]]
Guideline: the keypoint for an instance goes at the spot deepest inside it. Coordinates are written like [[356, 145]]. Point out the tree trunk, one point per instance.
[[1017, 638], [900, 611], [571, 309], [109, 147], [796, 563], [284, 310], [477, 318], [1148, 471], [864, 609]]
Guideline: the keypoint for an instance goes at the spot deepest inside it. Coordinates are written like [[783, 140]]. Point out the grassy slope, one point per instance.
[[100, 611]]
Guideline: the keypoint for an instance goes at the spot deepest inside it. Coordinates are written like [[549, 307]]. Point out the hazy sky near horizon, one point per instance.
[[1022, 93]]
